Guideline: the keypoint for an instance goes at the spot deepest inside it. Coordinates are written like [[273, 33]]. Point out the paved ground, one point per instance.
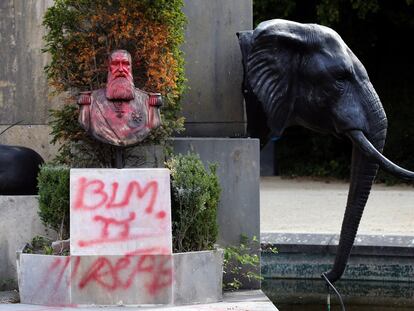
[[253, 300], [305, 206]]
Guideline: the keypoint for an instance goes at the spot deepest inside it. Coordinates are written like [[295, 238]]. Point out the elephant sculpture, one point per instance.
[[305, 74], [19, 167]]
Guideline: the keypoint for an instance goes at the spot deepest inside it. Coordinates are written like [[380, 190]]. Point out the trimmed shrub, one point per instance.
[[53, 183], [195, 194]]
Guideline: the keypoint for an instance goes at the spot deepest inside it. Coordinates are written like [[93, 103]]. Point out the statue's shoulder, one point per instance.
[[139, 91], [98, 96], [154, 99], [98, 93]]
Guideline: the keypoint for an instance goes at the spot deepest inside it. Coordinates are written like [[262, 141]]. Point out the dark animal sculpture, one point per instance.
[[19, 167], [305, 74]]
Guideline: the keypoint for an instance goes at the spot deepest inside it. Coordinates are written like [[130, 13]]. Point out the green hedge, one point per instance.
[[195, 194], [53, 183]]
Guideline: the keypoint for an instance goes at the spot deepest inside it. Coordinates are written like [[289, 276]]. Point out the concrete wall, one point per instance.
[[23, 87], [213, 105]]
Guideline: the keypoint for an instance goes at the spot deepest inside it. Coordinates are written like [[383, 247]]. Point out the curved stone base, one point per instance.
[[121, 280]]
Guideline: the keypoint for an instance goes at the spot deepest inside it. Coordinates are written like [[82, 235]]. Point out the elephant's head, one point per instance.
[[305, 74], [256, 118]]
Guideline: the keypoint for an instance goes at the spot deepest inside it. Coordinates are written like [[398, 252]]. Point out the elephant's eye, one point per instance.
[[342, 76], [340, 81], [343, 73]]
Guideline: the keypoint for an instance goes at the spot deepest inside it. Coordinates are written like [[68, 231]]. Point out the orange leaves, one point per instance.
[[125, 26], [161, 65]]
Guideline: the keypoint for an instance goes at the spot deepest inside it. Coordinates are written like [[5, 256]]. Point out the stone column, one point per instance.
[[213, 105]]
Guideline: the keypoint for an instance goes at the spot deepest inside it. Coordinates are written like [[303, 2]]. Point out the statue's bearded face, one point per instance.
[[120, 85]]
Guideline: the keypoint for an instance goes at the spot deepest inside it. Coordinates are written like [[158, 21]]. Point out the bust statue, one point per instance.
[[120, 114]]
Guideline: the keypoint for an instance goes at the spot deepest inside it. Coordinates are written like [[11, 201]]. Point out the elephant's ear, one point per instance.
[[272, 68]]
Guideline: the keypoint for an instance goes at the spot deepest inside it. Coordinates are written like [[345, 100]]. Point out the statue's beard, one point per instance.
[[120, 88]]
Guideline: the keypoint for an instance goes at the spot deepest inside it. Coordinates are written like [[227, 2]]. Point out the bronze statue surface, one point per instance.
[[305, 74], [120, 114]]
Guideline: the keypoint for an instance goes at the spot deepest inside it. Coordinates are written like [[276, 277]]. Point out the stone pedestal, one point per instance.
[[120, 236], [120, 212], [120, 280], [239, 174]]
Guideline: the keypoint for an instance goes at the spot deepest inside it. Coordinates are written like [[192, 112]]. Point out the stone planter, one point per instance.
[[42, 280], [49, 280], [198, 277]]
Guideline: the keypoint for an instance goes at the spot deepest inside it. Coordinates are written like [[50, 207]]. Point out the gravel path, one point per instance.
[[305, 206]]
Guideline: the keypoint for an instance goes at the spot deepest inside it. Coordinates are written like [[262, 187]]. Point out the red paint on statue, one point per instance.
[[120, 84], [120, 114]]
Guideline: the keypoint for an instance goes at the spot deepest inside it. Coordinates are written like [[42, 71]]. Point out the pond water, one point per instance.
[[310, 295]]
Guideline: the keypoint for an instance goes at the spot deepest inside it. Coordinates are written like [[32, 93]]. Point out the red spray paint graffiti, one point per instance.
[[96, 187], [114, 274], [97, 197], [109, 275], [120, 237]]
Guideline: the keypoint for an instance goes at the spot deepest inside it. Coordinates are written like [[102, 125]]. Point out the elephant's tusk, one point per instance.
[[360, 140]]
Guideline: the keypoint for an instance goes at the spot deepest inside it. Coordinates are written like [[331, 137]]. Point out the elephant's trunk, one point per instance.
[[366, 158], [359, 140], [363, 174]]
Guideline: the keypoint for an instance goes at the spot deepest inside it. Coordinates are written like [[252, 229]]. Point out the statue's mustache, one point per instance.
[[120, 75], [120, 88]]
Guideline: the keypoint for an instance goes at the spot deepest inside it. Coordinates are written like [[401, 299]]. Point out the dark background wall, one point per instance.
[[213, 104]]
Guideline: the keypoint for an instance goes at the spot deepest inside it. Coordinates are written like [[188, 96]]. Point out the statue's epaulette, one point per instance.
[[84, 98], [155, 99]]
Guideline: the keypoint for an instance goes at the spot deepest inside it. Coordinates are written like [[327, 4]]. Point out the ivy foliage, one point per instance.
[[195, 194], [82, 33], [379, 33]]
